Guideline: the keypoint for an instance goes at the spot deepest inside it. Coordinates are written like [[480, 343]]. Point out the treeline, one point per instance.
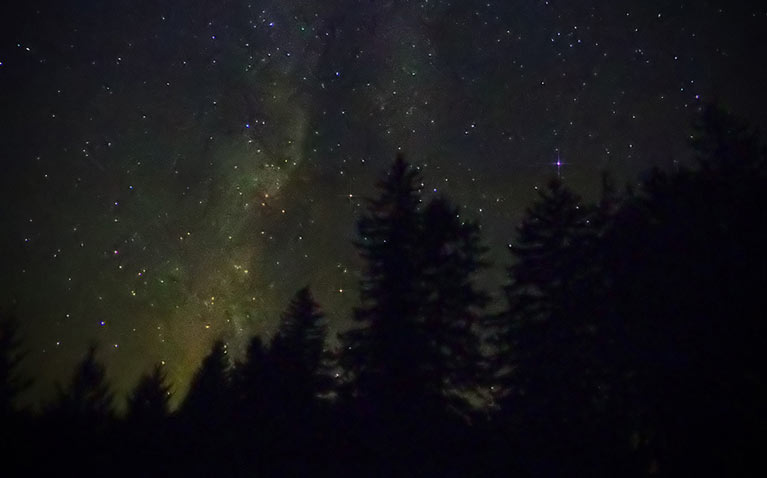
[[632, 343]]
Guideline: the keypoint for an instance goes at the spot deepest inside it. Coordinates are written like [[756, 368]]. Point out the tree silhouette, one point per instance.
[[382, 356], [16, 434], [451, 257], [80, 420], [206, 420], [146, 429], [296, 356], [550, 373], [88, 398], [682, 259], [149, 401], [286, 385], [413, 360], [725, 144], [250, 382], [11, 383], [208, 399], [547, 255]]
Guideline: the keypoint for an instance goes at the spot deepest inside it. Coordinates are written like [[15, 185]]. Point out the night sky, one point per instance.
[[172, 172]]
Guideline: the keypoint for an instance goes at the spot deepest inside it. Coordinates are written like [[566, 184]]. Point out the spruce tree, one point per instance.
[[685, 261], [548, 378], [452, 256], [416, 351], [149, 401], [88, 398], [208, 401], [297, 355], [382, 356], [250, 381], [11, 383]]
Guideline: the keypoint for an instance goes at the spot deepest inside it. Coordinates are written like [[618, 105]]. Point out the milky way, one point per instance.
[[174, 171]]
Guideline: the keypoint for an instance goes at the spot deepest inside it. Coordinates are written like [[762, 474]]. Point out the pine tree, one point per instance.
[[548, 375], [296, 356], [250, 381], [451, 254], [685, 260], [208, 401], [87, 398], [15, 433], [725, 145], [146, 429], [382, 356], [417, 351], [11, 383], [149, 401], [541, 278], [552, 229]]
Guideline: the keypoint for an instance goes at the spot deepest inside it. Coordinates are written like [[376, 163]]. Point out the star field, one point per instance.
[[175, 171]]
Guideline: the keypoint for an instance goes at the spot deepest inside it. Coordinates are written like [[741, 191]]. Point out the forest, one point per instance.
[[628, 344]]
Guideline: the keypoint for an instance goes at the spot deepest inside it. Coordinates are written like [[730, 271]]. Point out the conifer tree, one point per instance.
[[417, 350], [149, 401], [208, 400], [296, 356], [548, 375], [11, 383], [451, 254], [382, 355], [724, 144], [250, 381], [685, 262], [88, 397]]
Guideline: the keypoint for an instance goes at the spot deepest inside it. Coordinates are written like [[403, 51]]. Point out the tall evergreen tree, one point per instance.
[[88, 398], [542, 277], [725, 144], [416, 351], [549, 374], [11, 383], [15, 433], [146, 429], [383, 354], [296, 356], [80, 419], [250, 381], [452, 256], [149, 401], [685, 262], [208, 401]]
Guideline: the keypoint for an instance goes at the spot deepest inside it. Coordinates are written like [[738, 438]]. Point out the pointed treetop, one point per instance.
[[150, 399]]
